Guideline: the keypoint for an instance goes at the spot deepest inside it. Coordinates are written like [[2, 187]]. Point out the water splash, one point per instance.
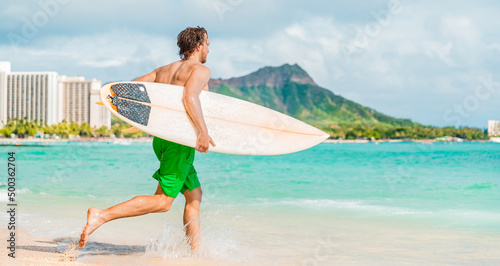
[[218, 241]]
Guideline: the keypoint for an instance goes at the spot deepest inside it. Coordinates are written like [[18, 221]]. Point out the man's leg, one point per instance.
[[192, 217], [140, 205]]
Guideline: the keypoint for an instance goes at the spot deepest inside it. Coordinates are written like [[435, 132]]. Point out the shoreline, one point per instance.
[[424, 141], [43, 142]]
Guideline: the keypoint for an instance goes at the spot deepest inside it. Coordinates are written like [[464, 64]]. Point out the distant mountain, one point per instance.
[[290, 90]]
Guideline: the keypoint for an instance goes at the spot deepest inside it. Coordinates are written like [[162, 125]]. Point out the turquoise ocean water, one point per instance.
[[287, 203]]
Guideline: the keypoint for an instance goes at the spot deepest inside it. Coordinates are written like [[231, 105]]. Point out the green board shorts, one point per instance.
[[176, 172]]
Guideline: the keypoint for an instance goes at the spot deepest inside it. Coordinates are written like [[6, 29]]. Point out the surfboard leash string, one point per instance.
[[109, 97]]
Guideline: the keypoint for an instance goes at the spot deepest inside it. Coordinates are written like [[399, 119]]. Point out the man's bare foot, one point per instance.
[[93, 222], [195, 244]]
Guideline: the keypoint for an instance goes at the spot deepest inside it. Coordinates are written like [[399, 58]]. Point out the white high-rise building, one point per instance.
[[78, 97], [49, 98], [4, 69], [493, 128], [28, 94]]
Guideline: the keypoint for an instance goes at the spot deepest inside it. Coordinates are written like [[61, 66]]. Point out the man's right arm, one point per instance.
[[191, 99]]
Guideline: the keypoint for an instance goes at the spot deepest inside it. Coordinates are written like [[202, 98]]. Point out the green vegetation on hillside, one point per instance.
[[311, 104], [357, 131]]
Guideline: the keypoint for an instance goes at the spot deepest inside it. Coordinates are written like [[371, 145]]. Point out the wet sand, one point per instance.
[[33, 250], [344, 243]]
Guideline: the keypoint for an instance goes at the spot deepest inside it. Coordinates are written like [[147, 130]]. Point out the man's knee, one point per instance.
[[164, 203], [194, 196], [200, 195]]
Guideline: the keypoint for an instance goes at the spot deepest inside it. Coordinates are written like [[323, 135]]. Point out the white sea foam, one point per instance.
[[122, 142], [4, 194], [24, 190], [445, 216], [473, 215], [348, 205]]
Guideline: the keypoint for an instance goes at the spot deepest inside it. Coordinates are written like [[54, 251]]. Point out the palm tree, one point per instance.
[[86, 130]]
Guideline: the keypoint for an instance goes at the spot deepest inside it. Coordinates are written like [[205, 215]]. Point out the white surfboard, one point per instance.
[[236, 126]]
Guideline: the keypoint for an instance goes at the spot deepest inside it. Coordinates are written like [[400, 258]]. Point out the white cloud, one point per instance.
[[494, 46], [442, 51], [461, 29], [406, 47]]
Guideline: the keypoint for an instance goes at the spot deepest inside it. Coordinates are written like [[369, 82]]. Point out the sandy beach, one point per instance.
[[347, 243], [33, 250], [38, 251]]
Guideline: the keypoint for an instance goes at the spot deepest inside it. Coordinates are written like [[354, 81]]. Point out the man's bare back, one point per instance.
[[194, 76], [177, 73]]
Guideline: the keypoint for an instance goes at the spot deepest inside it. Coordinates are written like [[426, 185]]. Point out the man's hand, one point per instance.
[[203, 142]]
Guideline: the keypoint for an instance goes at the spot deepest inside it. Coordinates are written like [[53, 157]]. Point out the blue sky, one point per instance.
[[435, 62]]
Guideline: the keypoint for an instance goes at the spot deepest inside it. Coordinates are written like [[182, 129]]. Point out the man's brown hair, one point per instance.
[[188, 39]]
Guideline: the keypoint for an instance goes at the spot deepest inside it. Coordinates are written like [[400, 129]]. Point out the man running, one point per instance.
[[176, 173]]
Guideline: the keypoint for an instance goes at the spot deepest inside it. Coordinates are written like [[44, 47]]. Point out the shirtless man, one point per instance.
[[176, 173]]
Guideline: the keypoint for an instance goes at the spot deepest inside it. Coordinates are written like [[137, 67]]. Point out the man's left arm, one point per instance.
[[151, 77]]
